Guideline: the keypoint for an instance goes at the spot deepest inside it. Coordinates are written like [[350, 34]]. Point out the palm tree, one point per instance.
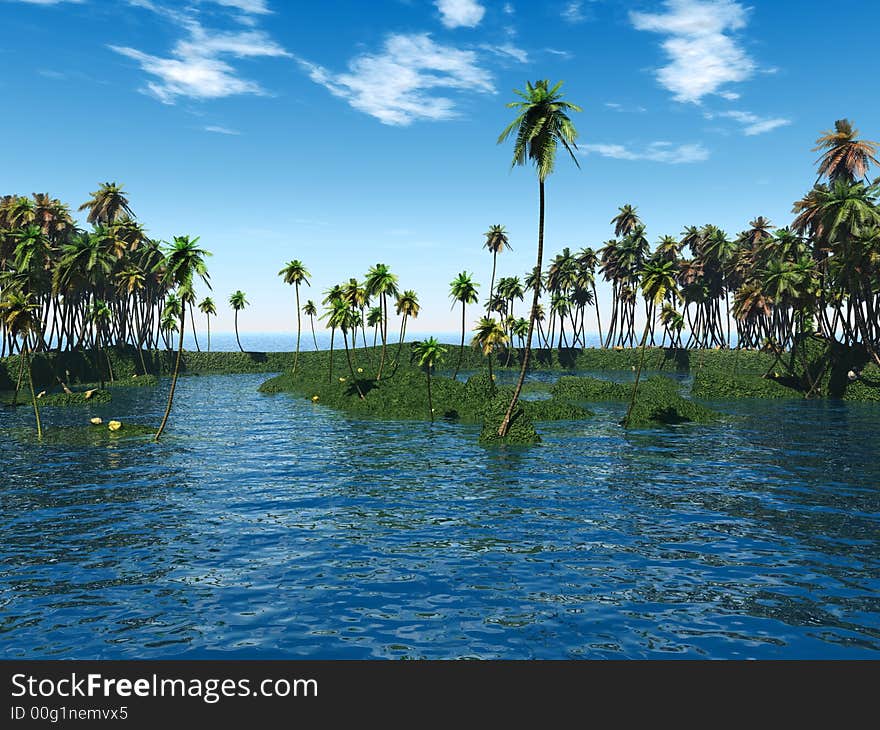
[[295, 273], [341, 316], [463, 289], [183, 262], [428, 353], [489, 336], [18, 314], [311, 311], [626, 221], [381, 283], [188, 299], [208, 308], [496, 242], [237, 302], [844, 156], [542, 124], [107, 204], [407, 306], [658, 282]]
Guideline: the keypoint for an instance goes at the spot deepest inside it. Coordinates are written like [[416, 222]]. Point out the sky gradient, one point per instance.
[[347, 133]]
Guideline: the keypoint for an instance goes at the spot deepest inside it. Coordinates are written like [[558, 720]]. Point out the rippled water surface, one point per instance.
[[266, 527]]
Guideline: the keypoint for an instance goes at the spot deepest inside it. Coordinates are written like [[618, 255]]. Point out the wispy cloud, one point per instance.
[[665, 152], [397, 84], [507, 50], [46, 2], [256, 7], [615, 107], [221, 130], [460, 13], [752, 124], [703, 55], [198, 66], [573, 12]]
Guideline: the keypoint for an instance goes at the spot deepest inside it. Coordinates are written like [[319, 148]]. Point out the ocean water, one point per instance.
[[267, 527]]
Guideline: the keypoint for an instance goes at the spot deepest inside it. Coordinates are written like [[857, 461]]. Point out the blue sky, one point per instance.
[[347, 133]]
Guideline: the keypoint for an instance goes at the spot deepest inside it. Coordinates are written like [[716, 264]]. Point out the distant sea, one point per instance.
[[286, 341]]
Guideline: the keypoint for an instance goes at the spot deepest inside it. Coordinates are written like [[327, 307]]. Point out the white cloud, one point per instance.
[[255, 7], [47, 2], [221, 130], [508, 9], [508, 50], [655, 152], [703, 56], [396, 84], [196, 67], [574, 12], [751, 123], [614, 106], [460, 13]]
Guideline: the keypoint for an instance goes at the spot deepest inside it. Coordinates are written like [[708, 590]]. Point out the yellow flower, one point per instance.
[[96, 421], [360, 370], [114, 425], [315, 399], [341, 380]]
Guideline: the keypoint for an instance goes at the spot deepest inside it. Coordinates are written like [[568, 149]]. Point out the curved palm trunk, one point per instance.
[[505, 423], [26, 355], [298, 330], [461, 348], [208, 317], [192, 318], [384, 326], [236, 332], [314, 336], [18, 383], [350, 364], [632, 400], [173, 379]]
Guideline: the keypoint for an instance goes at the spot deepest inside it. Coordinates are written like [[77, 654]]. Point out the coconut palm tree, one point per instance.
[[428, 353], [341, 316], [496, 241], [183, 262], [844, 156], [541, 126], [311, 311], [107, 204], [188, 300], [489, 336], [295, 273], [464, 290], [626, 221], [658, 283], [100, 317], [407, 306], [381, 283], [209, 309], [18, 314], [238, 302]]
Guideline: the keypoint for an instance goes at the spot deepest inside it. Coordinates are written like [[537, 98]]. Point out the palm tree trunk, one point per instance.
[[430, 404], [491, 283], [632, 400], [208, 317], [505, 423], [384, 325], [192, 318], [332, 336], [26, 355], [236, 332], [314, 336], [461, 349], [350, 364], [18, 383], [298, 329], [173, 378]]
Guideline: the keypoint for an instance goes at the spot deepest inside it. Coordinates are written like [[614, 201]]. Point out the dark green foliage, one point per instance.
[[866, 387], [76, 399], [710, 385], [658, 404], [522, 429], [590, 389]]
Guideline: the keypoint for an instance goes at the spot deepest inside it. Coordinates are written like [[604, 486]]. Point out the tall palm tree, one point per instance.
[[658, 282], [844, 156], [209, 309], [489, 336], [183, 262], [18, 314], [463, 289], [100, 317], [541, 126], [429, 353], [311, 311], [107, 204], [188, 299], [237, 302], [341, 316], [383, 284], [407, 306], [295, 273], [496, 241], [626, 221]]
